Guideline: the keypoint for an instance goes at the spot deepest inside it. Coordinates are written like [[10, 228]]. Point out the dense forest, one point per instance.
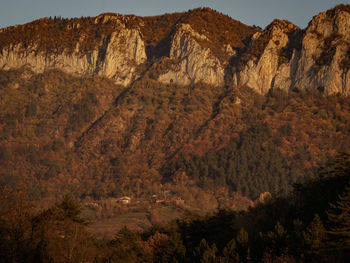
[[311, 224]]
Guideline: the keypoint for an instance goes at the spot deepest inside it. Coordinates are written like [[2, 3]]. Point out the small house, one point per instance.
[[124, 200], [158, 200]]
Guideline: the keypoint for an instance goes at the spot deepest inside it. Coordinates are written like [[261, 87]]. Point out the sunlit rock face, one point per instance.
[[115, 57], [325, 50], [320, 61], [195, 62], [282, 56], [268, 71]]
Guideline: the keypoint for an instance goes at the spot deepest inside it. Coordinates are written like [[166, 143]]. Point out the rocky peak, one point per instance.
[[336, 20], [184, 39], [260, 63], [195, 63], [281, 25], [188, 30], [285, 57], [110, 18], [276, 34], [323, 60]]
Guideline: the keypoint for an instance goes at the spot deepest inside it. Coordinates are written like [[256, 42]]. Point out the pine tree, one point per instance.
[[297, 240], [205, 253], [230, 252], [315, 234], [243, 245], [339, 219], [277, 240], [69, 209]]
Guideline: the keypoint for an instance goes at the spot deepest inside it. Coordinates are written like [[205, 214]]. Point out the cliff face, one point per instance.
[[281, 56], [324, 58], [265, 71], [124, 52], [195, 63], [316, 58], [116, 56]]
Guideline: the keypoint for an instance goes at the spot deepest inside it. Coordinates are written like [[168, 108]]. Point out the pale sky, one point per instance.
[[250, 12]]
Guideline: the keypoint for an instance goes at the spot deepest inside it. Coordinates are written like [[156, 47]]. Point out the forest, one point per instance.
[[310, 224], [259, 178], [211, 147]]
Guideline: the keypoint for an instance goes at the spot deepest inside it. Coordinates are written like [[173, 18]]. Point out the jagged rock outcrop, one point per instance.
[[266, 71], [281, 56], [195, 63], [325, 46], [321, 61], [116, 57], [123, 53]]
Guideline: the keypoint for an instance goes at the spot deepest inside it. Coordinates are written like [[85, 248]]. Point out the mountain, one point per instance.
[[119, 46], [197, 46], [194, 104]]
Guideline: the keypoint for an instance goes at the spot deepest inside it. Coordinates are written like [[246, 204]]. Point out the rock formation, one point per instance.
[[281, 56], [195, 62], [116, 56], [266, 71], [320, 61], [325, 47]]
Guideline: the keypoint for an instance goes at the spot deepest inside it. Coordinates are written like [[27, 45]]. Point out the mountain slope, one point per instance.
[[123, 105], [90, 137]]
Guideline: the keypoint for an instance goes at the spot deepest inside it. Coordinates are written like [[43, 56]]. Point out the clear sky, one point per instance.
[[250, 12]]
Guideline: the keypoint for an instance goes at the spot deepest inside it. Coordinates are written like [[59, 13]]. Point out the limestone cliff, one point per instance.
[[115, 56], [325, 48], [195, 62], [319, 60], [281, 56], [265, 71]]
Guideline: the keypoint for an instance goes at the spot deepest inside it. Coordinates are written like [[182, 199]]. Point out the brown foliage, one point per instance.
[[55, 35], [220, 29]]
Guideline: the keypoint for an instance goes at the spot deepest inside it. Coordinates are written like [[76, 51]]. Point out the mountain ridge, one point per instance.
[[200, 45]]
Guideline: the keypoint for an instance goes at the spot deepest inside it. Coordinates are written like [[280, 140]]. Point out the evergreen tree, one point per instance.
[[339, 219], [170, 250], [205, 253], [297, 241], [230, 252], [69, 209], [315, 234], [277, 240], [242, 245]]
